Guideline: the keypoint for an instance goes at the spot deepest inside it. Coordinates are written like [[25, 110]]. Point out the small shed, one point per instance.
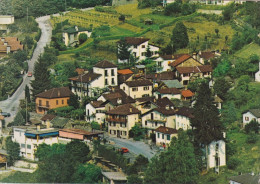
[[148, 22], [78, 134], [114, 177]]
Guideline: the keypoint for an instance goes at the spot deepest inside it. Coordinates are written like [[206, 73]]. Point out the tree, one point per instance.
[[89, 173], [27, 94], [41, 80], [206, 124], [121, 18], [139, 165], [82, 38], [19, 120], [217, 31], [228, 11], [123, 50], [229, 113], [252, 126], [221, 87], [180, 37], [148, 52], [77, 151], [73, 101], [134, 178], [137, 132], [13, 151], [155, 171], [28, 41]]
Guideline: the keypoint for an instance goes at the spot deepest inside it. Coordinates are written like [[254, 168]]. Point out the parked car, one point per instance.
[[124, 150], [5, 114], [29, 74]]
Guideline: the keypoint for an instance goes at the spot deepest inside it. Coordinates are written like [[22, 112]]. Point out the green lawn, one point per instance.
[[248, 50]]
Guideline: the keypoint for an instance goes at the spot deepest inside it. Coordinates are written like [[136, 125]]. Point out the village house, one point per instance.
[[6, 20], [71, 35], [164, 135], [158, 78], [187, 74], [51, 99], [78, 134], [250, 178], [162, 63], [145, 104], [30, 137], [9, 45], [184, 60], [183, 116], [91, 84], [202, 57], [217, 154], [95, 111], [186, 95], [121, 120], [124, 75], [138, 47], [251, 114], [138, 88], [171, 93], [114, 177]]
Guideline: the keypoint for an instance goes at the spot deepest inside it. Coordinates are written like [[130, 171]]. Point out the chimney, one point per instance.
[[194, 55], [131, 109], [5, 43], [89, 78], [113, 89], [200, 52], [48, 124], [76, 28], [58, 93], [2, 39], [119, 101], [38, 127], [167, 107]]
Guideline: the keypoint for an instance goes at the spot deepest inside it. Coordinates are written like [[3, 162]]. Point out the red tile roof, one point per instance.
[[135, 40], [86, 78], [12, 42], [187, 93], [194, 69], [125, 71], [126, 109], [56, 93], [180, 60], [166, 130]]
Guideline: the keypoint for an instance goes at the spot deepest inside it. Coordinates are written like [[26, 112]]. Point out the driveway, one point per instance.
[[136, 147]]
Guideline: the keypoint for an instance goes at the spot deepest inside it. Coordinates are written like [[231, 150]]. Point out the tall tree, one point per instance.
[[27, 94], [13, 151], [206, 123], [123, 50], [148, 52], [41, 80], [73, 101], [221, 87], [180, 38], [78, 151]]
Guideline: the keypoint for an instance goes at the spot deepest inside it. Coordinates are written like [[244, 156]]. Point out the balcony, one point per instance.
[[47, 106], [156, 120], [110, 119]]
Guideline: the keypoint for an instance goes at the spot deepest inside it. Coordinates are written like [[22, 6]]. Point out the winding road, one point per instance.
[[12, 103]]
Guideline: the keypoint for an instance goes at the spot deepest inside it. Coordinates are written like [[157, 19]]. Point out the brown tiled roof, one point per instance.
[[137, 83], [194, 69], [246, 178], [167, 57], [86, 78], [187, 93], [124, 100], [123, 78], [165, 111], [80, 70], [114, 94], [166, 130], [13, 42], [97, 104], [126, 109], [105, 64], [125, 71], [48, 117], [135, 40], [146, 99], [79, 131], [161, 76], [56, 93], [169, 91], [207, 55], [16, 47], [163, 102], [185, 111], [180, 60]]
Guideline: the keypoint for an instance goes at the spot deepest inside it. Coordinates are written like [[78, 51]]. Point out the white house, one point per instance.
[[95, 111], [138, 47], [217, 154], [70, 35], [90, 84], [162, 63], [30, 138], [251, 114], [183, 116], [138, 88], [257, 74], [164, 135], [252, 178]]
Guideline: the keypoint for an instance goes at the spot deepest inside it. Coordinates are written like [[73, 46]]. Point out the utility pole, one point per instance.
[[27, 14]]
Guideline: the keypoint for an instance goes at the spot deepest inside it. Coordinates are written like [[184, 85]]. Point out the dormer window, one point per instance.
[[143, 46], [112, 72]]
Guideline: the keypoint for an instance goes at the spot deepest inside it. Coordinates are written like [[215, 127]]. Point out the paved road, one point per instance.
[[12, 103], [137, 147]]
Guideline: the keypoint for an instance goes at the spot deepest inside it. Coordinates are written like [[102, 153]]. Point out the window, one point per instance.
[[22, 145], [120, 124], [159, 64], [110, 132], [247, 118], [134, 53], [106, 83], [143, 46], [168, 137], [162, 136], [47, 104], [145, 95], [158, 135], [28, 146], [114, 123], [62, 101], [112, 72], [185, 82], [113, 81], [135, 46], [110, 124], [106, 73], [57, 102], [134, 89], [156, 123], [40, 102], [151, 116], [145, 123], [124, 88], [143, 54], [146, 88]]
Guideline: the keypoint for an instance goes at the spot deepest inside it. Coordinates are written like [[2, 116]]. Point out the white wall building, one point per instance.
[[95, 111], [257, 74], [162, 63], [217, 154], [70, 35], [251, 114]]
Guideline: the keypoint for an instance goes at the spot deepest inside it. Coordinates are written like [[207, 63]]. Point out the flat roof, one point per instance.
[[118, 176]]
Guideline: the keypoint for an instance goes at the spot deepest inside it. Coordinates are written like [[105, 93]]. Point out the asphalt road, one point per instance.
[[136, 147], [12, 103]]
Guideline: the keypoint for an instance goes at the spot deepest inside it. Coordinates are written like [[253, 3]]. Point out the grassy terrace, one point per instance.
[[248, 50]]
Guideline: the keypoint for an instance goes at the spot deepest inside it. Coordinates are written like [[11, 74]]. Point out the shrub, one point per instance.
[[252, 126], [95, 125], [232, 163], [82, 38], [251, 139]]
